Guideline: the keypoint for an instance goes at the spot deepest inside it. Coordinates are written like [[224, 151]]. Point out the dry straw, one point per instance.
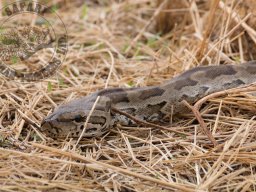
[[113, 43]]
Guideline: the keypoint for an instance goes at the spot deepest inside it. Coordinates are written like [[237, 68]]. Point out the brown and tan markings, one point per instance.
[[146, 103]]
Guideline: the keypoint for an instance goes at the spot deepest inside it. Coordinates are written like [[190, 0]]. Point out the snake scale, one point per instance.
[[22, 42], [152, 103]]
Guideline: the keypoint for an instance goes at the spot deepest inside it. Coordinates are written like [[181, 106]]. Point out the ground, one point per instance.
[[133, 44]]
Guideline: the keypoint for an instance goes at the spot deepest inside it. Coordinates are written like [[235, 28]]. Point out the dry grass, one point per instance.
[[112, 44]]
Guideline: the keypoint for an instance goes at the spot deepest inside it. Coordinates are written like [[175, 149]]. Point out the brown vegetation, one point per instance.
[[114, 43]]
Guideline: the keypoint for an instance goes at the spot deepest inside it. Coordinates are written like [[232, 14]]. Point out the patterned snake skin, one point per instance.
[[22, 42], [153, 104]]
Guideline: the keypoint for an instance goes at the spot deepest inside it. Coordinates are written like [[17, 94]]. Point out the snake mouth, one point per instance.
[[49, 128], [44, 125]]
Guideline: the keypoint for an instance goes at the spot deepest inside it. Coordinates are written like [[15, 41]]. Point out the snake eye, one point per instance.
[[78, 118]]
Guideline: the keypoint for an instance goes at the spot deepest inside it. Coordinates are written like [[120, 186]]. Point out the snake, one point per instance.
[[155, 104], [22, 42]]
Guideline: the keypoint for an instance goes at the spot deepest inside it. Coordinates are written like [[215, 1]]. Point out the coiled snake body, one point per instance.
[[153, 104]]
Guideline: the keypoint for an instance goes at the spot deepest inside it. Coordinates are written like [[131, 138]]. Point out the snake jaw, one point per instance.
[[96, 126], [69, 120], [54, 128], [46, 126]]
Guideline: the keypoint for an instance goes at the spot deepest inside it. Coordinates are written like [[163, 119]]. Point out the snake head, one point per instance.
[[68, 120]]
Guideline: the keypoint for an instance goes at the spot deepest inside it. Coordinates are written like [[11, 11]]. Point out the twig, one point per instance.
[[251, 87], [180, 186], [19, 144], [237, 19], [145, 27], [198, 104], [141, 122], [29, 121], [201, 122], [208, 30], [87, 121]]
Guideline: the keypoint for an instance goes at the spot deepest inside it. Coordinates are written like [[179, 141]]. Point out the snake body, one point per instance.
[[153, 103], [22, 42]]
